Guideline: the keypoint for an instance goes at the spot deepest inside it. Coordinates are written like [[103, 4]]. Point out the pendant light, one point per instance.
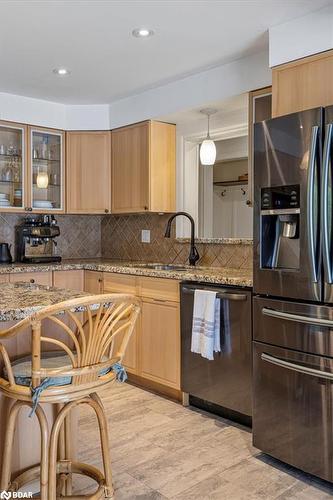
[[208, 148]]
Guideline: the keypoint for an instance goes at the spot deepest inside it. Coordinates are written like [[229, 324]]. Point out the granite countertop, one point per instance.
[[216, 275], [19, 300]]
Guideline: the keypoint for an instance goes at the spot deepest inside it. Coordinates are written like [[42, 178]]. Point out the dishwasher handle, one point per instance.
[[223, 295]]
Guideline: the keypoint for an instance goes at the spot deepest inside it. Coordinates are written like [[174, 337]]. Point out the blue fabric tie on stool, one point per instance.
[[52, 359]]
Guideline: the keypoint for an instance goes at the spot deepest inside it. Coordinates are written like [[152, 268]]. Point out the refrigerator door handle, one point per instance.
[[296, 367], [311, 209], [298, 318], [325, 187]]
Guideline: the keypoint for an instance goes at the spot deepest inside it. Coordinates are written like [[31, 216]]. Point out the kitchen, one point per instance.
[[130, 202]]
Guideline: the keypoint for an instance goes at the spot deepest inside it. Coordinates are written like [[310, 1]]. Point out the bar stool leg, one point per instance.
[[8, 446], [104, 437]]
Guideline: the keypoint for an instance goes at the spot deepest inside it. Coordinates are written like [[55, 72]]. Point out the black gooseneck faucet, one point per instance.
[[194, 254]]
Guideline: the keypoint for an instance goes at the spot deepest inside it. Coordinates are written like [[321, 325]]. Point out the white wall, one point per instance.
[[216, 84], [35, 111], [301, 37]]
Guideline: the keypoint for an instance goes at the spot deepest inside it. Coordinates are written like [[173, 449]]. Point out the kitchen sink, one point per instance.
[[164, 267]]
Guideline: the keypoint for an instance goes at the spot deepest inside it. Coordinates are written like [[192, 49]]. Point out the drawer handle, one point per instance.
[[32, 280], [159, 300], [296, 317], [296, 367]]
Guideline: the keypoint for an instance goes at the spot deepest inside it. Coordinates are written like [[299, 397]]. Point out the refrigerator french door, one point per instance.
[[287, 174]]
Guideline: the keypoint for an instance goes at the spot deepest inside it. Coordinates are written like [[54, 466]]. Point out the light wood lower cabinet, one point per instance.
[[93, 282], [154, 351], [72, 280], [160, 342], [123, 283], [40, 278]]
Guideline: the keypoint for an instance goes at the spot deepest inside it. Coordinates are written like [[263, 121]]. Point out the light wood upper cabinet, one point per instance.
[[260, 108], [46, 170], [143, 168], [303, 84], [89, 172], [13, 166]]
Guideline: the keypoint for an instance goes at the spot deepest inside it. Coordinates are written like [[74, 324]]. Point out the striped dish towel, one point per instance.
[[206, 324]]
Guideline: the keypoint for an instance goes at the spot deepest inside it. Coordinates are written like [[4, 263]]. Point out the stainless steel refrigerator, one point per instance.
[[293, 287]]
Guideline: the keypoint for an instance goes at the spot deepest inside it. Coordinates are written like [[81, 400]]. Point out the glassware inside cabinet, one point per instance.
[[46, 170], [11, 167]]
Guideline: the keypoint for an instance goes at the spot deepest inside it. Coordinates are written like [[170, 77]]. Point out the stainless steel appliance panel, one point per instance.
[[293, 408], [327, 206], [288, 153], [226, 381], [293, 325]]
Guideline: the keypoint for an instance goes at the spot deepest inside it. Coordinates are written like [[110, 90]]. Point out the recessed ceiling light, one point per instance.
[[142, 33], [61, 71]]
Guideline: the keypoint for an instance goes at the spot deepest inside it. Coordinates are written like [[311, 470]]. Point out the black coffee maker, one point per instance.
[[5, 255], [36, 240]]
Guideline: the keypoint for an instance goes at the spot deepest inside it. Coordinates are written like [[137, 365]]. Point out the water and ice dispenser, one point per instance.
[[279, 227]]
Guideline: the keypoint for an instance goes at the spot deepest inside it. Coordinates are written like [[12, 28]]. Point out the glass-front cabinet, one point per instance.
[[46, 170], [12, 166]]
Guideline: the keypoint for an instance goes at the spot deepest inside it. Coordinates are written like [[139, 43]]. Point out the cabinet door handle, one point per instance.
[[100, 280], [106, 210]]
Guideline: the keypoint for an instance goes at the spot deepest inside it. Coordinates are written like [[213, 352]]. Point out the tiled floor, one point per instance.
[[161, 450]]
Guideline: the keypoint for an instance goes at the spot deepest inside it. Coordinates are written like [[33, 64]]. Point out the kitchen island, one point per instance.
[[18, 301]]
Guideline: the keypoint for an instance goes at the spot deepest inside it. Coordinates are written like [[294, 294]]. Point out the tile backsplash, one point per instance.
[[121, 240], [80, 235]]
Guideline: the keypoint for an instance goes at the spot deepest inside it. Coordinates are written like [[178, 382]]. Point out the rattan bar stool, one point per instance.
[[95, 332]]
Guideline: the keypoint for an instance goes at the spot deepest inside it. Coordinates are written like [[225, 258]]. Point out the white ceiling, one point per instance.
[[93, 39]]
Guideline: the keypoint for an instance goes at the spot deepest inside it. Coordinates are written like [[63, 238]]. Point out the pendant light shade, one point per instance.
[[208, 152], [208, 148]]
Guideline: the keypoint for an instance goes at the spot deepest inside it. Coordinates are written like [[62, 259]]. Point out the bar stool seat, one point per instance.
[[86, 361]]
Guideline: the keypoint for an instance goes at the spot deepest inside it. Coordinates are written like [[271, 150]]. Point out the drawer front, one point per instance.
[[119, 283], [41, 278], [292, 409], [4, 278], [159, 288], [293, 325]]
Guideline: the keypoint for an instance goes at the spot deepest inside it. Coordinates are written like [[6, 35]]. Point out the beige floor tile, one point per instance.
[[161, 450]]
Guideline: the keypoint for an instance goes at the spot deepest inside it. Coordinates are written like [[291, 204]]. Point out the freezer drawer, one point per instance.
[[226, 381], [292, 408], [293, 325]]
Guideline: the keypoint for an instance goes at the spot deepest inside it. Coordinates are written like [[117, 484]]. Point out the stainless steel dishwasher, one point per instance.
[[224, 385]]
